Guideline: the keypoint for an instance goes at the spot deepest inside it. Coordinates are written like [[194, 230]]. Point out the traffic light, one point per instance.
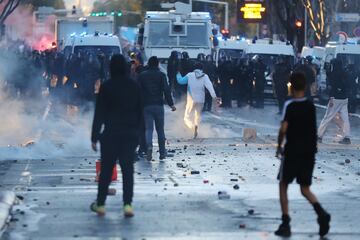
[[298, 24], [225, 33], [300, 34], [73, 10]]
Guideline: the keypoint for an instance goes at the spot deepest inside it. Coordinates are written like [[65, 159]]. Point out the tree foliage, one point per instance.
[[57, 4]]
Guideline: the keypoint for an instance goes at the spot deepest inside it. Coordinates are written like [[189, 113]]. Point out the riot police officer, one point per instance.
[[280, 77]]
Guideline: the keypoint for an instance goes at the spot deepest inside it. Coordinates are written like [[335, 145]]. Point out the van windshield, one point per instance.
[[163, 34], [271, 59], [107, 50], [232, 53], [349, 59]]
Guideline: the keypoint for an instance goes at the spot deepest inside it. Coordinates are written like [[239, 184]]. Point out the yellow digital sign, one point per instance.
[[253, 11]]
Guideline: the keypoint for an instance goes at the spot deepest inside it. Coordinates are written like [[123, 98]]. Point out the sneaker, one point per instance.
[[100, 210], [284, 230], [149, 154], [128, 211], [319, 140], [324, 224], [345, 140], [196, 132]]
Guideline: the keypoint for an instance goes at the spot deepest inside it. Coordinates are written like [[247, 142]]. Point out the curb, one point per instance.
[[7, 201]]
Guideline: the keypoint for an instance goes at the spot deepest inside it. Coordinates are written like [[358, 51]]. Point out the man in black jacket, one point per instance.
[[154, 86], [119, 110]]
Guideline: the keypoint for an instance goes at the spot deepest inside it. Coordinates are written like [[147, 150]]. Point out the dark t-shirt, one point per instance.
[[301, 135]]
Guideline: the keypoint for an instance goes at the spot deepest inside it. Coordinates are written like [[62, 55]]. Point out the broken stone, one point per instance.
[[236, 187], [242, 226], [223, 195], [251, 212], [233, 180], [200, 154], [20, 197], [206, 181], [195, 172], [347, 161], [112, 191]]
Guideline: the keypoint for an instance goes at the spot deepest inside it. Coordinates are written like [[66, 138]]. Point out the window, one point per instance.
[[197, 35], [159, 35], [107, 50]]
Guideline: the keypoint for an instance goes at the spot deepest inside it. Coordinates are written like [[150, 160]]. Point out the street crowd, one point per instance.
[[129, 101]]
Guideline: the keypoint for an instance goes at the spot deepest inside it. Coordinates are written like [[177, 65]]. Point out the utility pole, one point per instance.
[[305, 26]]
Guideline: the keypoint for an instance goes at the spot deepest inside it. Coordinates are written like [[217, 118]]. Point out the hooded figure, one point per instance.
[[196, 82], [117, 119]]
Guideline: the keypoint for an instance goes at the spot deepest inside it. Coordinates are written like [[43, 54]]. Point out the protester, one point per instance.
[[119, 110], [197, 81], [154, 87], [338, 103], [298, 127]]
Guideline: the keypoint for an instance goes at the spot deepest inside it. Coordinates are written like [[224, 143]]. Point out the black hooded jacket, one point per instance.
[[118, 108]]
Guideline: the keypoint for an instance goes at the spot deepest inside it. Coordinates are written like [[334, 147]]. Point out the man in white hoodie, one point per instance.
[[196, 82]]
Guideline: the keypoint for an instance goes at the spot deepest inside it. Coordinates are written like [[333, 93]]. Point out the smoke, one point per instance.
[[34, 128], [21, 25], [176, 128]]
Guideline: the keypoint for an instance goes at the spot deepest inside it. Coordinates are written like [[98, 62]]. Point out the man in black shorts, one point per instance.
[[298, 126]]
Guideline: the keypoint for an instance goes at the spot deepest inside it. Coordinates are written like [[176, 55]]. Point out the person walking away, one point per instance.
[[280, 80], [338, 102], [298, 127], [211, 70], [154, 87], [197, 81], [118, 111], [259, 78], [351, 76]]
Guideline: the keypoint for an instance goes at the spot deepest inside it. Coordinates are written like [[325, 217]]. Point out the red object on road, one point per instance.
[[98, 167]]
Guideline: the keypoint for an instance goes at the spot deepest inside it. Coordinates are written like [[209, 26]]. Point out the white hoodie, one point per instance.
[[197, 81]]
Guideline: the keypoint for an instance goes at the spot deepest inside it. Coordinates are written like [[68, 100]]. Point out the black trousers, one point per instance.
[[115, 149]]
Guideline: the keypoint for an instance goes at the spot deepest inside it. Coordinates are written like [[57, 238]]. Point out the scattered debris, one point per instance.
[[223, 195]]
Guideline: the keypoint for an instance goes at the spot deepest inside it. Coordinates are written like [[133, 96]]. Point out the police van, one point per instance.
[[348, 52], [269, 50], [233, 48], [176, 30], [97, 43]]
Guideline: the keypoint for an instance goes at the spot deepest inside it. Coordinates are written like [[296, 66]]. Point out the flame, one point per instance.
[[45, 42]]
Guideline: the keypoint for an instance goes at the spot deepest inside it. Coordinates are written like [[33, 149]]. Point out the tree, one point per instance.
[[318, 19], [6, 8], [57, 4], [287, 12]]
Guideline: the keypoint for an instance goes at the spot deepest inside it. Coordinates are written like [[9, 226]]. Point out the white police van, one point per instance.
[[107, 44]]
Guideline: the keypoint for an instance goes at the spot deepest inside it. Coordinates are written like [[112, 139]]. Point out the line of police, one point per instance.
[[244, 79], [74, 79]]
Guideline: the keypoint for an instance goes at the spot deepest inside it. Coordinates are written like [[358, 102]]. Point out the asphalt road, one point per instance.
[[57, 185]]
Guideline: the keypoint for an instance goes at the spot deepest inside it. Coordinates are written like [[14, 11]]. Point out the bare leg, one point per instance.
[[306, 192], [283, 187]]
